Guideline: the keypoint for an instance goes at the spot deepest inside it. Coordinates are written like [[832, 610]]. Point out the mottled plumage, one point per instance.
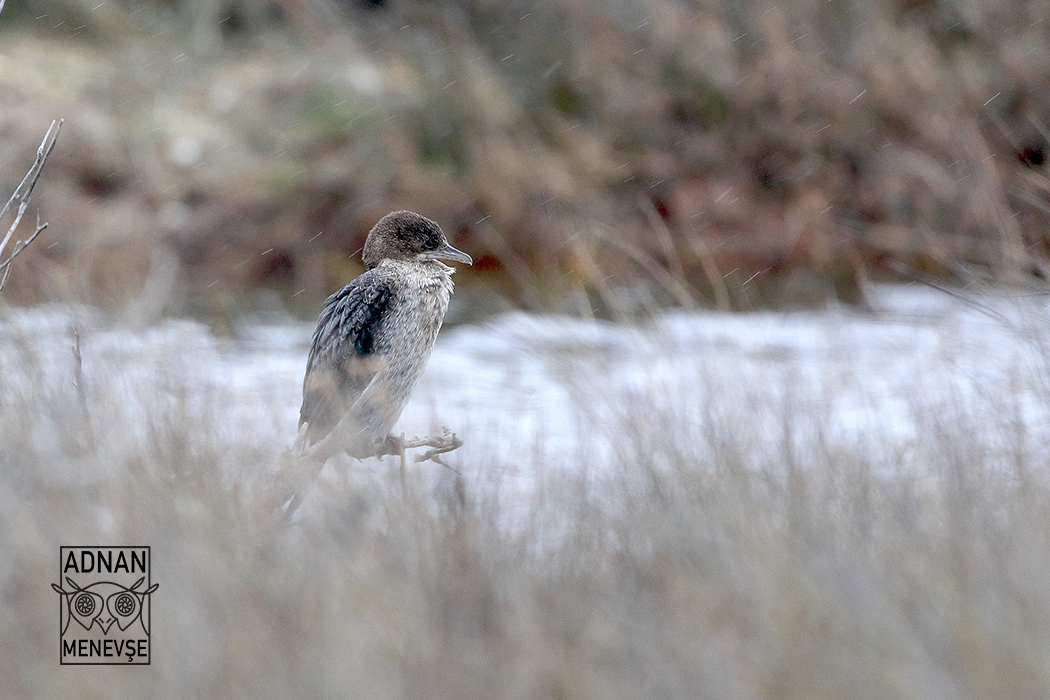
[[375, 335]]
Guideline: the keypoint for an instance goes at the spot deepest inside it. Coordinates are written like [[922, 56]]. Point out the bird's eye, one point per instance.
[[84, 604]]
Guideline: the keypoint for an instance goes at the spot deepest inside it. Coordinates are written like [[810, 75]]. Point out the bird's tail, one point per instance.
[[297, 472]]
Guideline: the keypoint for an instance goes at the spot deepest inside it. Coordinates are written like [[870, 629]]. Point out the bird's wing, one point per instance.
[[342, 359]]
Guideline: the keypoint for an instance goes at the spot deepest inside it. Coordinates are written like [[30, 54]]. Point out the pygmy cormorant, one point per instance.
[[374, 336]]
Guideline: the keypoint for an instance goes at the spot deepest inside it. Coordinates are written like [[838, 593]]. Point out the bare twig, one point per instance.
[[439, 446], [87, 432], [22, 194], [24, 190], [5, 266]]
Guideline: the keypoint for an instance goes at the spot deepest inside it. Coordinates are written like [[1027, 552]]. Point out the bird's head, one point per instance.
[[404, 235]]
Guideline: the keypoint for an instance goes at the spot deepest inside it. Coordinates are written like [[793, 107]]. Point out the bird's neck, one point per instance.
[[418, 266]]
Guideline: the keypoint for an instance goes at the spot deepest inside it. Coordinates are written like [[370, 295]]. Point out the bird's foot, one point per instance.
[[392, 445], [396, 445], [438, 446]]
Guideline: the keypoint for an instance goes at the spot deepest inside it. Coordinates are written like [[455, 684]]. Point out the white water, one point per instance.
[[528, 392]]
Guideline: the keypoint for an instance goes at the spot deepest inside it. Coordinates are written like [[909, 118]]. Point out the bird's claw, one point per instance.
[[397, 445], [392, 445]]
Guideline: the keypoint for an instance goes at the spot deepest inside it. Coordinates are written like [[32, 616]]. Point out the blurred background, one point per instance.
[[840, 491], [594, 156]]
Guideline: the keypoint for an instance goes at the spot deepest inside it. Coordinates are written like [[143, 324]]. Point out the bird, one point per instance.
[[375, 335]]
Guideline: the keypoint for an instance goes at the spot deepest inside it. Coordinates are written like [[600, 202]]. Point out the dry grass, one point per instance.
[[808, 141], [808, 135], [695, 564]]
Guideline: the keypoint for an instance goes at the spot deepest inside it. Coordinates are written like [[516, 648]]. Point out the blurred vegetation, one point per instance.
[[591, 155], [701, 560]]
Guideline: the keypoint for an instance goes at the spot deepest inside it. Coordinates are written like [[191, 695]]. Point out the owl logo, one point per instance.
[[102, 603]]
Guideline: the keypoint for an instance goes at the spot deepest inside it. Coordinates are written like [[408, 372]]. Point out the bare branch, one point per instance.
[[25, 188], [22, 194], [439, 446], [5, 266]]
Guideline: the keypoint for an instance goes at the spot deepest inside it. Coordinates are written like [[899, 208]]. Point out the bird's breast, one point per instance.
[[414, 317]]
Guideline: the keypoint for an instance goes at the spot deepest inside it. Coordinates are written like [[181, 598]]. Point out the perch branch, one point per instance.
[[439, 446], [22, 194]]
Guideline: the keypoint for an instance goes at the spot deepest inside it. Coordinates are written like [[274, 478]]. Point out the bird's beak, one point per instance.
[[447, 252]]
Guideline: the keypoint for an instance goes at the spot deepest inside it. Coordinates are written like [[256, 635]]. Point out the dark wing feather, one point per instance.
[[342, 359]]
